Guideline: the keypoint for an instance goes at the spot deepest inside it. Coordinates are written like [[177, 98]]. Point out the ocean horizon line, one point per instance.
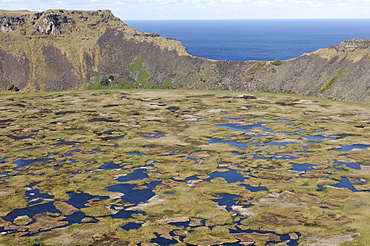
[[321, 18]]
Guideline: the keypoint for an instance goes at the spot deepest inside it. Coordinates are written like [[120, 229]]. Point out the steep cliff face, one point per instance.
[[53, 25], [61, 50], [10, 23], [340, 72]]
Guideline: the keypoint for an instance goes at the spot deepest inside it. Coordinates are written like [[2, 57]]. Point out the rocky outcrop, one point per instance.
[[53, 25], [52, 22], [62, 50], [352, 45], [10, 23]]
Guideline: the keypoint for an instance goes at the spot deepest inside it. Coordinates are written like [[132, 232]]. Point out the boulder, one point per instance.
[[246, 96]]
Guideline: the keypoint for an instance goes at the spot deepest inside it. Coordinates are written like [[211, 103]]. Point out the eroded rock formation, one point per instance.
[[352, 45], [10, 23], [53, 25]]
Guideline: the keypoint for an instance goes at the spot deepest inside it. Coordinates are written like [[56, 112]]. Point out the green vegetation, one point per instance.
[[166, 83], [138, 66], [12, 88], [96, 85], [276, 62], [331, 82], [151, 85], [124, 84]]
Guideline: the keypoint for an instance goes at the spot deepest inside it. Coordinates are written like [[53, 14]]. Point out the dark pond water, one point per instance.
[[32, 211], [113, 138], [131, 226], [284, 156], [135, 153], [125, 214], [25, 162], [197, 160], [226, 200], [134, 196], [64, 112], [230, 176], [355, 166], [153, 184], [153, 135], [110, 166], [302, 167], [3, 175], [345, 183], [102, 119], [245, 128], [136, 175], [62, 142], [254, 188], [80, 199], [21, 137], [163, 241], [353, 147], [173, 108], [109, 132], [305, 151], [37, 205], [35, 196], [8, 120], [320, 188], [74, 218]]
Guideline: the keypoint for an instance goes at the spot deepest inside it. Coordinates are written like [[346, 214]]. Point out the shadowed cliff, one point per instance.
[[62, 50]]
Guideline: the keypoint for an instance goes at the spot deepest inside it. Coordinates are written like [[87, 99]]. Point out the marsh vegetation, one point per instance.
[[182, 167]]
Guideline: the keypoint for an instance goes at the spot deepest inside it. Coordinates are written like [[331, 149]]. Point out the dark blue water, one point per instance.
[[32, 211], [245, 128], [80, 199], [131, 226], [226, 200], [242, 40], [25, 162]]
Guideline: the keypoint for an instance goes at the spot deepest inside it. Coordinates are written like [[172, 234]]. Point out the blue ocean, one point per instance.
[[266, 40]]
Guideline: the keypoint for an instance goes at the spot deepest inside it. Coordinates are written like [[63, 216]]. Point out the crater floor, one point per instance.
[[161, 167]]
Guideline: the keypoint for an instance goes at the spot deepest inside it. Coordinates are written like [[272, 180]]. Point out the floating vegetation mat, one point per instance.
[[183, 167]]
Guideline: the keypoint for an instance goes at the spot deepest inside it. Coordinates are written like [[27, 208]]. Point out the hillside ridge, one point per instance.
[[73, 49]]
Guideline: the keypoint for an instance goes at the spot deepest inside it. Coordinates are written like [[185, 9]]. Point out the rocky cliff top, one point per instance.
[[352, 45], [51, 22], [84, 25]]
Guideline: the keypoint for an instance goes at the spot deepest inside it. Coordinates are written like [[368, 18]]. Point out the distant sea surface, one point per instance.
[[265, 40]]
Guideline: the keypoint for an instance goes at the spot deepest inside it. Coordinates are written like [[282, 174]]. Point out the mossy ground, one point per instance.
[[80, 131]]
